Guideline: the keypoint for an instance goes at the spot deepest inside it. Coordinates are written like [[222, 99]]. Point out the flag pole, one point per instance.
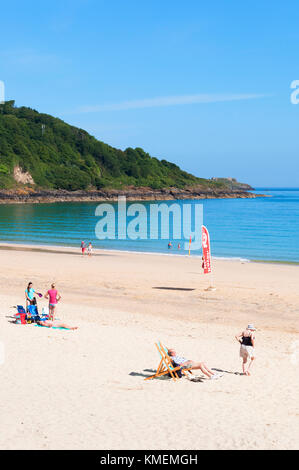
[[207, 259], [211, 287]]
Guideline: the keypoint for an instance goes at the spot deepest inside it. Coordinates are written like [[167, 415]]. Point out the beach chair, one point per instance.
[[20, 309], [21, 315], [32, 314], [165, 365]]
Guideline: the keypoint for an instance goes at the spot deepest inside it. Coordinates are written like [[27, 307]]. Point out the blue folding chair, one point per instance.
[[33, 313]]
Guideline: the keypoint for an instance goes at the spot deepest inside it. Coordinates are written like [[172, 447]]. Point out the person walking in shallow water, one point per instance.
[[247, 341]]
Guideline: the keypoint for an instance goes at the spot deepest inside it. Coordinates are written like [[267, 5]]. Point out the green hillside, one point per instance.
[[59, 156]]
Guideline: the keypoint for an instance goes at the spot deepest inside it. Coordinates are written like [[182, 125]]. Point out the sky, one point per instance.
[[206, 85]]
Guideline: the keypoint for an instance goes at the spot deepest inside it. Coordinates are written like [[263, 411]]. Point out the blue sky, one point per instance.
[[206, 86]]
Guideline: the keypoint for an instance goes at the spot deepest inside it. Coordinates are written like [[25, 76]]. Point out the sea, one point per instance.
[[259, 229]]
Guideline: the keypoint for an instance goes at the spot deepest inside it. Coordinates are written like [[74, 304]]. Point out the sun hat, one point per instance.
[[251, 327]]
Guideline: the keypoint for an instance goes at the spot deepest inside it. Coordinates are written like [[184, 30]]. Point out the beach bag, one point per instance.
[[21, 315], [21, 318], [45, 314]]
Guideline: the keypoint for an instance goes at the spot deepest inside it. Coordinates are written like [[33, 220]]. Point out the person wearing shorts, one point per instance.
[[83, 247], [247, 342], [29, 295], [188, 364], [54, 297]]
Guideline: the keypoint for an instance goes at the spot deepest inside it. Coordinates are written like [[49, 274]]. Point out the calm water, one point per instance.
[[262, 228]]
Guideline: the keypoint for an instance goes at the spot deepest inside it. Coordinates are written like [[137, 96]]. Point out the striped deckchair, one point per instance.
[[165, 365]]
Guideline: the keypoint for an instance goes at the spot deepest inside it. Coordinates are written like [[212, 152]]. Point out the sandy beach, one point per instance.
[[85, 389]]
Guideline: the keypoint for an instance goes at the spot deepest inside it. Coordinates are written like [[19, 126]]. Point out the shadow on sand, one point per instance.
[[163, 377], [174, 288], [151, 372], [227, 371]]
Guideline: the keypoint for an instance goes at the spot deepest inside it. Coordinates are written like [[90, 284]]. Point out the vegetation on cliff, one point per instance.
[[45, 152]]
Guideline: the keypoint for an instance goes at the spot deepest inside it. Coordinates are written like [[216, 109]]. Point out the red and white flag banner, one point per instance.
[[206, 250]]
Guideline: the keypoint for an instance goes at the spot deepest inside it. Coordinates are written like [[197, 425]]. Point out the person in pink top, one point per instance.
[[54, 297]]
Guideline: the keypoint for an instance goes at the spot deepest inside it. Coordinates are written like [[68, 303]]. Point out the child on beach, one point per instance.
[[89, 249], [54, 297], [247, 341]]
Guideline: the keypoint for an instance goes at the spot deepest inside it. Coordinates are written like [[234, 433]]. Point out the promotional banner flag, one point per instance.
[[206, 250]]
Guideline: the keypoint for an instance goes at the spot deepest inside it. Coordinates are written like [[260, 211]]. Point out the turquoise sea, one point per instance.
[[254, 229]]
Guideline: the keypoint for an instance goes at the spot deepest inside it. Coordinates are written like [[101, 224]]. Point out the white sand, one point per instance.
[[85, 389]]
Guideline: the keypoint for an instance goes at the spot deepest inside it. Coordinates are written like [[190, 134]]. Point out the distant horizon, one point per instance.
[[277, 187]]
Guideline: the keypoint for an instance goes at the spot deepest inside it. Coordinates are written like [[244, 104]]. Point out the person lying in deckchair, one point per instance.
[[56, 324], [188, 364]]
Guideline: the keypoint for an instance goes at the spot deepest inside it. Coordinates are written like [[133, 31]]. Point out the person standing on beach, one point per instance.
[[29, 295], [54, 297], [89, 249], [247, 341], [83, 247]]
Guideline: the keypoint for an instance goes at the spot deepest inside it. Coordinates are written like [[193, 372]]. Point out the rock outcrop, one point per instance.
[[29, 195], [21, 176]]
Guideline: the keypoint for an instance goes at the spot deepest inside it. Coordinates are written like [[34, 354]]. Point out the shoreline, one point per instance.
[[70, 249], [31, 196]]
